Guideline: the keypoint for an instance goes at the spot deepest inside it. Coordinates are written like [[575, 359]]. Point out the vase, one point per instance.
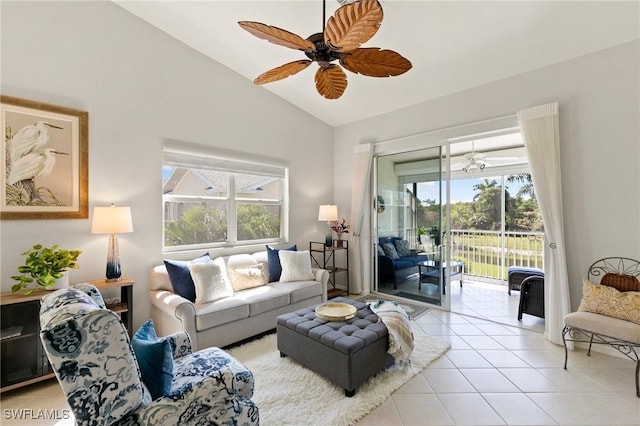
[[339, 243], [61, 282]]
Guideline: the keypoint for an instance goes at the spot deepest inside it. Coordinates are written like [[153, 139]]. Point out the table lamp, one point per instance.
[[329, 213], [112, 220]]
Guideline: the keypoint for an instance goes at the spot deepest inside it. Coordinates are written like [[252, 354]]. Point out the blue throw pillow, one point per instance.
[[180, 276], [275, 268], [155, 359], [403, 248], [390, 251]]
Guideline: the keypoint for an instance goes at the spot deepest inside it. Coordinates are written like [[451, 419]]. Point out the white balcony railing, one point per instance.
[[488, 254]]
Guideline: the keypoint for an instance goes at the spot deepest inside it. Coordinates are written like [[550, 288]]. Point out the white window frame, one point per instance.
[[201, 158]]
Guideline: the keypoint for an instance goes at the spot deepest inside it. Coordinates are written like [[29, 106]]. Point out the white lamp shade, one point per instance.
[[111, 220], [328, 212]]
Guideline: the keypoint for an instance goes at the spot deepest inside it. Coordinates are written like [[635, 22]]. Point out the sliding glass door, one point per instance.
[[410, 219]]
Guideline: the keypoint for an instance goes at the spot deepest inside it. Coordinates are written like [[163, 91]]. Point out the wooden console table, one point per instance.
[[22, 357]]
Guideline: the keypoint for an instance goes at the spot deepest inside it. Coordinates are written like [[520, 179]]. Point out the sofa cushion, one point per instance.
[[605, 300], [402, 247], [415, 259], [296, 266], [380, 250], [602, 324], [180, 276], [275, 268], [401, 264], [390, 250], [264, 299], [155, 359], [211, 280], [220, 312], [241, 261], [261, 256], [300, 290]]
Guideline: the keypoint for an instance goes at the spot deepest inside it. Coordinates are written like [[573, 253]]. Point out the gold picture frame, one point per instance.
[[44, 160]]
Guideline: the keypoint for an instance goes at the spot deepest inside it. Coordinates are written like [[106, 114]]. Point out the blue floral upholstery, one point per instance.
[[88, 348]]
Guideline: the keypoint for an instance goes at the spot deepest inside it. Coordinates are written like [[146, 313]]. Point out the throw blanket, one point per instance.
[[397, 322]]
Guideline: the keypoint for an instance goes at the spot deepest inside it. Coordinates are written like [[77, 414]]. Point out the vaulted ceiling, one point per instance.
[[453, 45]]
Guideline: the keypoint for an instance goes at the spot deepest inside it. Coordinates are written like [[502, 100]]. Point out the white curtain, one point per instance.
[[360, 213], [540, 130]]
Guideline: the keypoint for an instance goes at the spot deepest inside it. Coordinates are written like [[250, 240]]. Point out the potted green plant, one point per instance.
[[434, 232], [44, 265], [422, 230]]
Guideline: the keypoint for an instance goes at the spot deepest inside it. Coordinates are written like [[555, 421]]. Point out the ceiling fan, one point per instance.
[[353, 24], [478, 160]]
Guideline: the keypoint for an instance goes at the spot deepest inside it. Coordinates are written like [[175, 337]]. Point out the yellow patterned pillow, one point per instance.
[[605, 300], [244, 278]]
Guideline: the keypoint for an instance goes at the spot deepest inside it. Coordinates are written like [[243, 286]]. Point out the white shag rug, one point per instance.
[[289, 394]]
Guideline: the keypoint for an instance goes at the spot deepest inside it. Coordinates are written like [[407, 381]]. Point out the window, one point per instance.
[[212, 201]]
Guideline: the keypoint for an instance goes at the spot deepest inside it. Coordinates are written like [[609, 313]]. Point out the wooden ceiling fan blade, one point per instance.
[[331, 81], [352, 25], [375, 62], [277, 36], [283, 71]]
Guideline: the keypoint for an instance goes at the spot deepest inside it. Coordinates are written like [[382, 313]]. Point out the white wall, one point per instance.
[[141, 88], [599, 98]]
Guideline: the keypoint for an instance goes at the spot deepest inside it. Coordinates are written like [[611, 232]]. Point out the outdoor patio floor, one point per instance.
[[489, 301]]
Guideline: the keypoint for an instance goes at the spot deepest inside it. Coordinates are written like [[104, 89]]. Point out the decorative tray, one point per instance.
[[335, 311]]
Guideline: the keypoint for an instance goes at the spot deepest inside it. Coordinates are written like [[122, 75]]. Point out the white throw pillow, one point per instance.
[[210, 280], [296, 266]]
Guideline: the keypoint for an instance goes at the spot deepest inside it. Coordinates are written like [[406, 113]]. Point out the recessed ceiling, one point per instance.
[[453, 45]]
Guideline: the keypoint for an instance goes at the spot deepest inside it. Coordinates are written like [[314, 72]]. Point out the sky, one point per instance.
[[461, 189]]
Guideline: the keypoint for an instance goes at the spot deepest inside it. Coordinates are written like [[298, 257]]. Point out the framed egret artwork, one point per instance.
[[44, 161]]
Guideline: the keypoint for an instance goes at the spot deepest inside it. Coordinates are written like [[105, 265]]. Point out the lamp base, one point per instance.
[[328, 238], [114, 271]]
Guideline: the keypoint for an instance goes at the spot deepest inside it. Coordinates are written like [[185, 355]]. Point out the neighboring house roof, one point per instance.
[[210, 182]]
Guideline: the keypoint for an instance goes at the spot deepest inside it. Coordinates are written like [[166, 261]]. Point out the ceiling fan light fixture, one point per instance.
[[353, 24]]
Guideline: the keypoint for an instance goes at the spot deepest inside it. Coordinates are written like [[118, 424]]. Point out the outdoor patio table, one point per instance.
[[428, 272]]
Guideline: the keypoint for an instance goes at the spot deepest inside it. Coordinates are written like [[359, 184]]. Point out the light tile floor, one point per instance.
[[487, 300], [492, 375], [508, 375]]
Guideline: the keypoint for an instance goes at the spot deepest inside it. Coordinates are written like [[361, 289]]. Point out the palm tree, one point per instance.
[[487, 205], [527, 184], [484, 187]]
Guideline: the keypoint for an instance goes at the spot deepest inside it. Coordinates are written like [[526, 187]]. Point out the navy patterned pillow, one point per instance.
[[380, 251], [275, 267], [180, 276], [402, 247], [390, 251]]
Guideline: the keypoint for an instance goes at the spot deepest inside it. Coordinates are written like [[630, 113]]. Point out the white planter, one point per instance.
[[61, 282]]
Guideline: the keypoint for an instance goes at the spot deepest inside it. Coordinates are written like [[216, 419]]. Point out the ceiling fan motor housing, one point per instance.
[[322, 54]]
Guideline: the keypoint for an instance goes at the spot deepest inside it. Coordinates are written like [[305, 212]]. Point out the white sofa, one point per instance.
[[228, 320]]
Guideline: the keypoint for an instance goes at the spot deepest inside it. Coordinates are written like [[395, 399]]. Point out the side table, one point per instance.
[[125, 307], [328, 261], [22, 358]]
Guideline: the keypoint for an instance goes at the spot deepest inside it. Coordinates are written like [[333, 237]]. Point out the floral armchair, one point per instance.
[[89, 349]]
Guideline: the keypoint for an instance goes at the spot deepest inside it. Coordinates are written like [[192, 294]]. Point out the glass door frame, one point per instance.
[[445, 214]]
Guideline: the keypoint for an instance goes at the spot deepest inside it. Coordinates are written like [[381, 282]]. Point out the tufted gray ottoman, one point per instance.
[[345, 352]]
